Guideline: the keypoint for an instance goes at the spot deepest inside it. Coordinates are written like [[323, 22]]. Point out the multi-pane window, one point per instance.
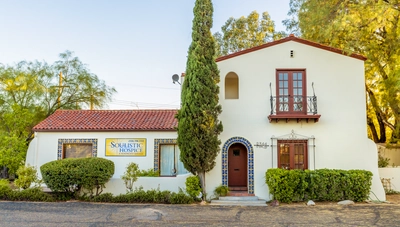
[[292, 154], [291, 94], [170, 164], [77, 150]]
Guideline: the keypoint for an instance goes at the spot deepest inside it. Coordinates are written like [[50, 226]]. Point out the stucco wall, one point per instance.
[[392, 177], [392, 153], [340, 135], [44, 148]]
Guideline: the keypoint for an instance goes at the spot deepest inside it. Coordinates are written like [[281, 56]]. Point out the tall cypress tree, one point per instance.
[[198, 124]]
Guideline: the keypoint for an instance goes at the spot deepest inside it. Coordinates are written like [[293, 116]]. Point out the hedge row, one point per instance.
[[321, 185], [137, 196], [30, 194], [141, 196]]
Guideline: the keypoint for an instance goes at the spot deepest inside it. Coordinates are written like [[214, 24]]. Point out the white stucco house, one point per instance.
[[290, 104]]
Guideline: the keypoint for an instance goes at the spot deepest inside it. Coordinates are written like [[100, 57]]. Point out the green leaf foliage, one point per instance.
[[31, 91], [14, 133], [26, 176], [193, 186], [198, 124], [130, 175], [370, 28], [245, 32], [30, 194], [71, 176], [221, 190], [322, 185], [133, 172]]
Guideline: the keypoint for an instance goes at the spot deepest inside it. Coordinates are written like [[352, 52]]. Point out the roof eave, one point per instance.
[[287, 39], [103, 130]]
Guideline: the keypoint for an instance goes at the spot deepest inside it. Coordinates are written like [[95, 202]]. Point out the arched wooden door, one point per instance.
[[237, 165]]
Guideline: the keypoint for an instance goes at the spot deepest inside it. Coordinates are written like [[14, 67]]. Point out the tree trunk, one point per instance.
[[373, 130], [4, 173], [202, 176], [379, 116], [382, 128]]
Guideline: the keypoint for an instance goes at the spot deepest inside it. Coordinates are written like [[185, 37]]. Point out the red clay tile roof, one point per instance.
[[287, 39], [109, 120]]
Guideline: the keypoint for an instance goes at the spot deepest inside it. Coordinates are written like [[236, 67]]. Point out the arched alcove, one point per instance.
[[231, 86]]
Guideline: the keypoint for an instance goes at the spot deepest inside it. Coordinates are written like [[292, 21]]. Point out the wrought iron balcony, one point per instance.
[[297, 107]]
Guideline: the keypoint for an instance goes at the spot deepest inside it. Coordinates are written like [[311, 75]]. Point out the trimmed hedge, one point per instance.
[[30, 194], [323, 184], [137, 196], [77, 175]]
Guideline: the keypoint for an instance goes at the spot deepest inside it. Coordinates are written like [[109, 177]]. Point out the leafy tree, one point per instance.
[[66, 84], [83, 89], [367, 27], [15, 129], [198, 126], [245, 32], [31, 91]]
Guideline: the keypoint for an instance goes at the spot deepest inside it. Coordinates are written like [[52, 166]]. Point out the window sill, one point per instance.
[[296, 117]]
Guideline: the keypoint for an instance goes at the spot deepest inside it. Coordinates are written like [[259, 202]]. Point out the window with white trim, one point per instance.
[[292, 154]]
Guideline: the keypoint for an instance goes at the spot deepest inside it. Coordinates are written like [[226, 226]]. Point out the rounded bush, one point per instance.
[[77, 174]]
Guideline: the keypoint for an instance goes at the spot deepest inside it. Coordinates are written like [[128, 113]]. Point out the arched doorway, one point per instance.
[[250, 161], [237, 166]]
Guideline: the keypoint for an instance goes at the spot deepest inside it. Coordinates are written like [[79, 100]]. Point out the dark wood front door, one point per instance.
[[237, 166]]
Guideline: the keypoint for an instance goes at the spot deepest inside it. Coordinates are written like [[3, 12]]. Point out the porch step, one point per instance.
[[238, 198], [238, 188], [239, 201], [239, 193]]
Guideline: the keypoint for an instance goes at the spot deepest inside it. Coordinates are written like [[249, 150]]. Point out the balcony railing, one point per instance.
[[294, 107]]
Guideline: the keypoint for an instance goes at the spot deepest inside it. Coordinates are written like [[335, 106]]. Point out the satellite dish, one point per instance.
[[175, 78]]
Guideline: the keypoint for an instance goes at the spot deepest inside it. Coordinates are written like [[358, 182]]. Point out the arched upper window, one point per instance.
[[231, 86]]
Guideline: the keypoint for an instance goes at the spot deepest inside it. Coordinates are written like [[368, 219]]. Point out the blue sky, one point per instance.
[[135, 46]]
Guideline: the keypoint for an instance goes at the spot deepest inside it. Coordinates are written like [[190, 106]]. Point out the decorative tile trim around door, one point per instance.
[[250, 161]]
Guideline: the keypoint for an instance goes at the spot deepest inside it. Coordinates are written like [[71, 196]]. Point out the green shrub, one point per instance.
[[104, 198], [180, 198], [141, 196], [221, 190], [130, 176], [323, 184], [26, 176], [61, 196], [164, 197], [193, 186], [4, 182], [149, 173], [32, 194], [74, 175], [5, 192], [382, 162], [286, 186]]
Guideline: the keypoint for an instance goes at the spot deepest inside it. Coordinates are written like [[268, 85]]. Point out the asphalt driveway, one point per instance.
[[94, 214]]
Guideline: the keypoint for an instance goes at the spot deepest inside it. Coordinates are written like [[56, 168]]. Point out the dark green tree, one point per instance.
[[198, 126]]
